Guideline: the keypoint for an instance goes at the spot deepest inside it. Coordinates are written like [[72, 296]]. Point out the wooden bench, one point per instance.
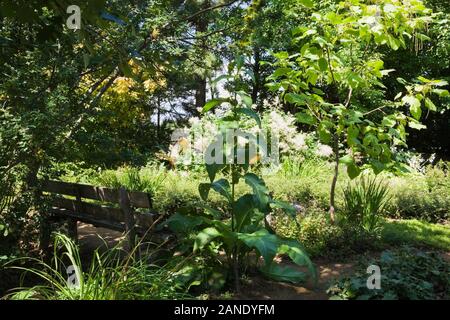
[[108, 208]]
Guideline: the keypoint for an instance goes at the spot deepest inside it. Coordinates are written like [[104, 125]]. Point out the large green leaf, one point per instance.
[[246, 99], [222, 187], [347, 159], [213, 103], [181, 223], [260, 191], [295, 98], [413, 123], [263, 241], [298, 255], [389, 121], [285, 206], [204, 237], [243, 209], [203, 189], [217, 214], [323, 64], [353, 170], [213, 169], [324, 131], [414, 106], [281, 72], [416, 111], [283, 273], [304, 117], [252, 114], [307, 3], [352, 135], [430, 105]]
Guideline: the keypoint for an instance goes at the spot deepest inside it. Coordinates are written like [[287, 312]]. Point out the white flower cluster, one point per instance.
[[324, 151], [190, 143], [283, 125]]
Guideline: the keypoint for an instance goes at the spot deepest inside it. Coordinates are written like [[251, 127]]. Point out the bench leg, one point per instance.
[[72, 229], [45, 234]]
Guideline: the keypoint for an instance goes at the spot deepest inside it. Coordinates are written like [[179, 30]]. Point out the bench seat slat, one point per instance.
[[115, 215], [88, 219]]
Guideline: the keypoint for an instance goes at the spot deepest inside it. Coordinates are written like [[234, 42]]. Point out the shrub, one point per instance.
[[425, 197], [6, 198], [321, 238], [317, 233], [405, 274]]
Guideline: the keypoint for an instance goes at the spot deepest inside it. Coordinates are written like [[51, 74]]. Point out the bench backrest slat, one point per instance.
[[137, 199]]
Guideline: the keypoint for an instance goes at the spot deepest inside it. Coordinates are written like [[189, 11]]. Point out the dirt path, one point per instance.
[[258, 287]]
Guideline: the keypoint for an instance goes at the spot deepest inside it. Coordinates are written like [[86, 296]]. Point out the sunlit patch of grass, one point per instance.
[[416, 232]]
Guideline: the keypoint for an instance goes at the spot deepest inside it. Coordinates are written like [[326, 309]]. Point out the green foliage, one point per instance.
[[109, 277], [335, 60], [405, 274], [365, 203]]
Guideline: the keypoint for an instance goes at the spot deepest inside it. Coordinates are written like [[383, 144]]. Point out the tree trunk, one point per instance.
[[335, 177], [256, 73], [201, 26], [200, 94]]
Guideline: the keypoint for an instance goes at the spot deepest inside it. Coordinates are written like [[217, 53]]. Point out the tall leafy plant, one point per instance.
[[242, 230]]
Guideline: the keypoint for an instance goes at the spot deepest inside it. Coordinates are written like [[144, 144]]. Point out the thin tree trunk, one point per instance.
[[158, 119], [233, 229], [256, 73], [335, 177], [237, 284]]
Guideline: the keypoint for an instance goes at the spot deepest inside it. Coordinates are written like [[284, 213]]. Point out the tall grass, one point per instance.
[[365, 201], [109, 277], [147, 179], [304, 168]]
